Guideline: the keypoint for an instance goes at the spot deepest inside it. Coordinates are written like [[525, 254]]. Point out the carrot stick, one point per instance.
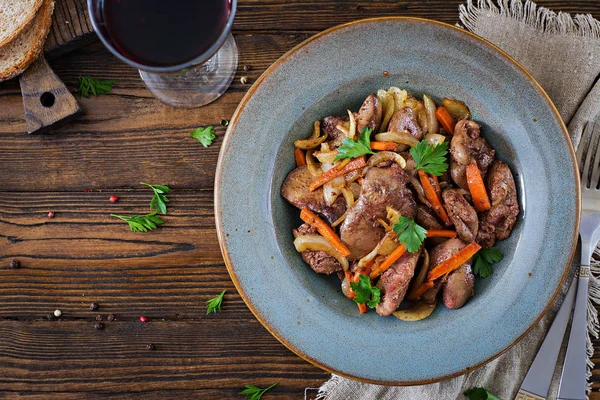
[[453, 262], [333, 173], [425, 286], [311, 218], [479, 195], [392, 258], [354, 278], [300, 157], [435, 183], [433, 198], [445, 119], [383, 146], [441, 233]]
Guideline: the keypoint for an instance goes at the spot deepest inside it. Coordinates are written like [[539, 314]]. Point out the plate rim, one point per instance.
[[218, 178]]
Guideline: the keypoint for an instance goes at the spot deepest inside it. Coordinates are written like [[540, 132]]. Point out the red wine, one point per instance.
[[164, 33]]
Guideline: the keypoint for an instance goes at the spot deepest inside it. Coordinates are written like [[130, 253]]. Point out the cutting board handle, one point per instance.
[[45, 98]]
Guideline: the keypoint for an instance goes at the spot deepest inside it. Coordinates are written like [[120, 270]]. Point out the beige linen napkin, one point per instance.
[[563, 54]]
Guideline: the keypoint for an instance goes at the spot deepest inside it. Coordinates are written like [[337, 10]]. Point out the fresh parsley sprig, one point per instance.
[[410, 233], [255, 393], [365, 293], [205, 135], [213, 305], [479, 393], [483, 260], [89, 85], [159, 199], [141, 223], [430, 158], [356, 148]]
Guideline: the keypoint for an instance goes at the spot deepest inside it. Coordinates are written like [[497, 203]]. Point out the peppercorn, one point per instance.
[[98, 317], [50, 214], [247, 68], [386, 73], [57, 313], [15, 264], [113, 199], [143, 319], [98, 326], [93, 306], [111, 317], [150, 346], [244, 80]]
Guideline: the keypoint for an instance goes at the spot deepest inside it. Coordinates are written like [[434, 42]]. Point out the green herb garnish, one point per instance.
[[206, 136], [410, 233], [483, 260], [356, 148], [365, 293], [479, 393], [159, 199], [213, 305], [89, 85], [141, 223], [255, 393], [430, 158]]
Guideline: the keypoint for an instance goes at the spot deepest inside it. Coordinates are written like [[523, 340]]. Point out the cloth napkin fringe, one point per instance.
[[537, 17], [327, 386], [592, 314]]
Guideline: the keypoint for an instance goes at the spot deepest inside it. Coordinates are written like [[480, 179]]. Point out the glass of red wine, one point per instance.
[[184, 49]]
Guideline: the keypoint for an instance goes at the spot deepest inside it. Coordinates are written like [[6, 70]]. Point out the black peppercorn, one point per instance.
[[150, 346], [93, 306], [15, 264], [246, 68], [111, 317], [98, 326]]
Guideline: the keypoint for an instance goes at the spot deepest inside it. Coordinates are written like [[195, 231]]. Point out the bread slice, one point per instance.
[[16, 56], [15, 16]]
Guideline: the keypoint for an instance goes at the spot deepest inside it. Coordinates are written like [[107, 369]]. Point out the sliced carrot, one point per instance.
[[300, 157], [433, 198], [445, 119], [436, 185], [383, 146], [333, 173], [481, 201], [453, 262], [425, 286], [325, 230], [441, 233], [392, 258], [354, 278]]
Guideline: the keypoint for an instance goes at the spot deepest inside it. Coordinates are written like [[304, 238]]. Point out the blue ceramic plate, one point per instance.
[[331, 72]]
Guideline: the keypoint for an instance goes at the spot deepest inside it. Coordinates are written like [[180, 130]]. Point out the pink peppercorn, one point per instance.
[[114, 199], [143, 319], [50, 214]]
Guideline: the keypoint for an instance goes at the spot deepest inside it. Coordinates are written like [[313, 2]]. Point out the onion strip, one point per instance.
[[382, 156], [314, 140], [319, 243], [397, 137]]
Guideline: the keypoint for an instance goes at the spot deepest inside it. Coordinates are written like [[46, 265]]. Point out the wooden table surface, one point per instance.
[[82, 255]]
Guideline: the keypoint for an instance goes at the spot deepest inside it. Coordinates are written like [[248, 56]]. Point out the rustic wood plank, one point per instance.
[[211, 358], [71, 27]]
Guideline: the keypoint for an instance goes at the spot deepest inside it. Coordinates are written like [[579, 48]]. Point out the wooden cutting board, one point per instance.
[[46, 100]]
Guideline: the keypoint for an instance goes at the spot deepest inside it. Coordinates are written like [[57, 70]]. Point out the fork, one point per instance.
[[573, 376]]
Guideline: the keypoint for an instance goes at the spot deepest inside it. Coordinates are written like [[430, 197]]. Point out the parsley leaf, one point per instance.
[[141, 223], [213, 305], [205, 136], [410, 233], [483, 260], [365, 293], [88, 85], [255, 393], [430, 158], [356, 148], [159, 199], [479, 393]]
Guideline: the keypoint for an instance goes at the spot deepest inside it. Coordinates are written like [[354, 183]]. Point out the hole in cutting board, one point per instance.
[[47, 99]]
